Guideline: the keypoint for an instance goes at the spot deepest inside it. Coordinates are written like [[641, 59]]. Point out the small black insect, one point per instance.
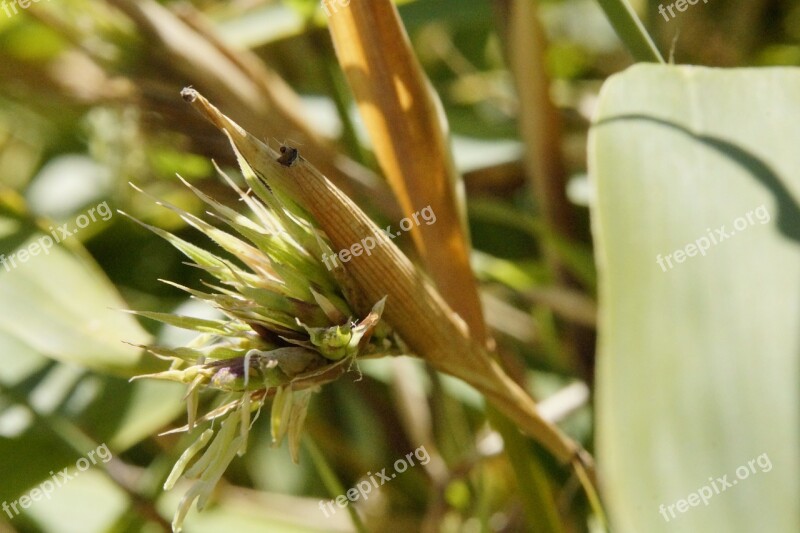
[[288, 156]]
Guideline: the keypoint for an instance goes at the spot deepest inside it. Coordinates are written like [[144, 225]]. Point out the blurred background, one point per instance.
[[89, 101]]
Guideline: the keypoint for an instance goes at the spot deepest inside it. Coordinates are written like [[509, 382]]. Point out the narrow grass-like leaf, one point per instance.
[[631, 30]]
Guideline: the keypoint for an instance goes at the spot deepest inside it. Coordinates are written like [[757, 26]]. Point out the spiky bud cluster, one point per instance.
[[288, 328]]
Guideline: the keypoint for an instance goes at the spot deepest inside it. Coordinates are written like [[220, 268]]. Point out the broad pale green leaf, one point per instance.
[[63, 306], [69, 400], [88, 503], [698, 363], [91, 503], [246, 511], [60, 306]]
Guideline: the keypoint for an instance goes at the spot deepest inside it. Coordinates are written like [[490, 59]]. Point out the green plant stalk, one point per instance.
[[330, 480], [541, 510], [631, 31]]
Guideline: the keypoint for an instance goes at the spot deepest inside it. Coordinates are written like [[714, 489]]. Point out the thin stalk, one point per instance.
[[331, 482], [631, 31], [541, 511]]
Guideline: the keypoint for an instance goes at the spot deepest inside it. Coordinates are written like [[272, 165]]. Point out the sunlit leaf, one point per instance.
[[698, 361]]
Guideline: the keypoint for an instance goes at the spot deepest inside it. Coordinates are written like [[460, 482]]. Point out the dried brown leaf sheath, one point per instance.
[[405, 122], [413, 308]]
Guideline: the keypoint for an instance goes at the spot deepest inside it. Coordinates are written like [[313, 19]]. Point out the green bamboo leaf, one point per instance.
[[698, 354], [61, 305]]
